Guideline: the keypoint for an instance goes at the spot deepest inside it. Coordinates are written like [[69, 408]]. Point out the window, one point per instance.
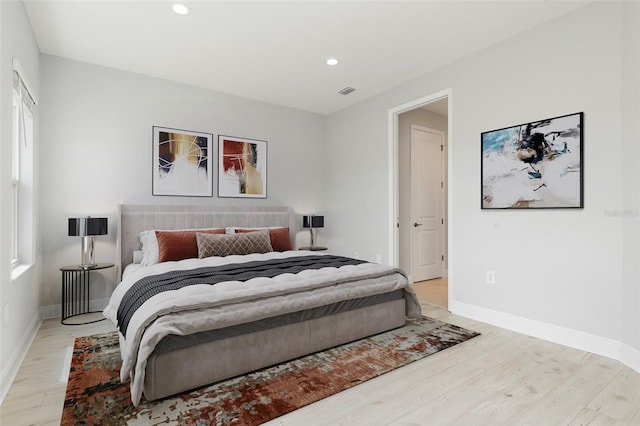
[[22, 176]]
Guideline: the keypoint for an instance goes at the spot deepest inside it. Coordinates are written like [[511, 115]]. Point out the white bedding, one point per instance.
[[131, 268], [206, 307]]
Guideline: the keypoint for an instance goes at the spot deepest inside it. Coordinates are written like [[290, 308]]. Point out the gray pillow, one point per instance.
[[228, 244]]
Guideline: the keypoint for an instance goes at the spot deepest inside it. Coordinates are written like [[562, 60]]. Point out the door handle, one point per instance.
[[416, 224]]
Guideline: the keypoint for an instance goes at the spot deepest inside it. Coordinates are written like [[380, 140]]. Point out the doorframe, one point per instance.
[[442, 197], [393, 114]]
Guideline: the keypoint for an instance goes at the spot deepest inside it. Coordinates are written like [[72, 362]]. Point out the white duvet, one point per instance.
[[206, 307]]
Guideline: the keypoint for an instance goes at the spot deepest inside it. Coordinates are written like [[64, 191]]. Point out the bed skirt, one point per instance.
[[169, 373]]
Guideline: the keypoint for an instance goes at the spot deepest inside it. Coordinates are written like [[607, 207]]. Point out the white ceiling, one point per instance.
[[275, 51]]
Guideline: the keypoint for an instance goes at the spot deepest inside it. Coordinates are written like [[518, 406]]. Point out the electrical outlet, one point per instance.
[[378, 258], [491, 277], [356, 255]]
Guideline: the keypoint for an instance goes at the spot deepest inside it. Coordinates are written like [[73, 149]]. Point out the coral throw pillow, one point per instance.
[[178, 245]]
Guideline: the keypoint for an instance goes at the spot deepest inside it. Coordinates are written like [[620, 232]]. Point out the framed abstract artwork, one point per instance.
[[181, 163], [242, 167], [536, 165]]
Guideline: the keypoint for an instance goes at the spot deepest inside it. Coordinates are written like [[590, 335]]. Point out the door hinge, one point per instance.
[[442, 221], [443, 257], [441, 184], [442, 148]]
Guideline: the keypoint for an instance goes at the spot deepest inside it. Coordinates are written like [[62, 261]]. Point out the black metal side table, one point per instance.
[[75, 291]]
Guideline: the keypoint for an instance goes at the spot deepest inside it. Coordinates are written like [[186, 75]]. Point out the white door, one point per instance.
[[427, 202]]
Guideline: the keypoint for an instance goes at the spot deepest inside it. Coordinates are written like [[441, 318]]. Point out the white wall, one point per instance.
[[19, 298], [630, 213], [557, 268], [96, 153]]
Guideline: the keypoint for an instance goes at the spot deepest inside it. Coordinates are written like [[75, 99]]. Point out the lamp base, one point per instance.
[[88, 266], [88, 259]]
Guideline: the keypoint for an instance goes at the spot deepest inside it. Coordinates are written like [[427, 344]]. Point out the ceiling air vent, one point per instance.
[[346, 90]]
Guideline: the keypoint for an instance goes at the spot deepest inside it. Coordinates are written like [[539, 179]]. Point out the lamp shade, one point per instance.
[[87, 226], [312, 221]]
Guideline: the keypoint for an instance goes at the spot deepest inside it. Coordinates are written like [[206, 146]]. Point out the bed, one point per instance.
[[198, 334]]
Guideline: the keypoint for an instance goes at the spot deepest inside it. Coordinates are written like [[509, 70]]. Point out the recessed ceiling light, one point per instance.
[[181, 9], [332, 61]]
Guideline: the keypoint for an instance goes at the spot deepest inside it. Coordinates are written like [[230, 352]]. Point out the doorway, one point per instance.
[[430, 116]]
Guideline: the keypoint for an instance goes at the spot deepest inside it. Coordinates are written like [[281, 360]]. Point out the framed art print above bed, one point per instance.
[[242, 167], [536, 165], [182, 163]]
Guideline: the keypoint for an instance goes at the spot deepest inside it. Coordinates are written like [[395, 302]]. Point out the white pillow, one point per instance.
[[149, 247], [137, 256]]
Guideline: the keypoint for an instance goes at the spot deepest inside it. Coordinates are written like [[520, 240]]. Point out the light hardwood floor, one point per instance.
[[499, 378], [434, 292]]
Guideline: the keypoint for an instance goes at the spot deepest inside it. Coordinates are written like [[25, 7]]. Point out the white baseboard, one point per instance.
[[630, 356], [12, 366], [55, 311], [51, 311], [553, 333]]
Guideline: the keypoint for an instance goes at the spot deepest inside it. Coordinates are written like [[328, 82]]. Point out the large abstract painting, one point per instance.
[[181, 163], [242, 167], [534, 165]]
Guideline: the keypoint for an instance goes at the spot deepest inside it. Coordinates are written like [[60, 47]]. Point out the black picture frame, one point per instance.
[[181, 164], [535, 165], [242, 167]]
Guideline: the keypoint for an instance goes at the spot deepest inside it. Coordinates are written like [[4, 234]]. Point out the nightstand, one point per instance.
[[75, 291], [313, 248]]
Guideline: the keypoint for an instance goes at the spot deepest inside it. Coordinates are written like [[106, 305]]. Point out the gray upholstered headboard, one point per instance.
[[137, 218]]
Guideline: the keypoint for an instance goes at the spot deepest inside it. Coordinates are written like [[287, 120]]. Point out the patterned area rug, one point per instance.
[[95, 394]]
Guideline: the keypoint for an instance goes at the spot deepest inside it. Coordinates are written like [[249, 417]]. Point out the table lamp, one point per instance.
[[311, 222], [87, 228]]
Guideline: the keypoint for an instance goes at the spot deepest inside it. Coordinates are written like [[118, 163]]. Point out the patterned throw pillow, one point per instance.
[[280, 240], [228, 244]]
